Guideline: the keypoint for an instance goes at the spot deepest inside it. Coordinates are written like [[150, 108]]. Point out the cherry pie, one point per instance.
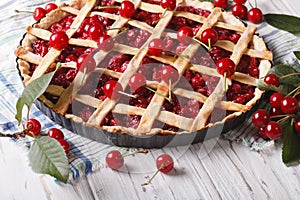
[[130, 72]]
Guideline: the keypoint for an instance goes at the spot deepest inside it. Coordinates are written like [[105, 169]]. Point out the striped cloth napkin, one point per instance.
[[86, 155]]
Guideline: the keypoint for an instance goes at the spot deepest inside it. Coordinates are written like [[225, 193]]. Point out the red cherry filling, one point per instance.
[[112, 88], [168, 4], [105, 42], [127, 9], [184, 35], [155, 47]]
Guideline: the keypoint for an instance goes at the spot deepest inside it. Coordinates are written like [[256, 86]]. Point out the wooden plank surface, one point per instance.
[[228, 171]]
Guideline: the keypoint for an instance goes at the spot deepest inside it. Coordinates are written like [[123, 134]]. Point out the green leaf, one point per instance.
[[284, 22], [32, 91], [291, 145], [287, 74], [47, 156], [297, 54], [283, 89]]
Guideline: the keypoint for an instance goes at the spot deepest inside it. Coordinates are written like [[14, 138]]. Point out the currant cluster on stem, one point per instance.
[[33, 128]]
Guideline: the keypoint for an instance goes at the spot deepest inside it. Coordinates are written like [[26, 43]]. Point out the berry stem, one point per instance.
[[148, 88], [24, 11], [170, 88], [153, 176], [175, 54], [196, 40], [281, 121], [123, 29], [225, 84], [295, 90], [104, 7], [136, 152], [129, 95], [287, 75]]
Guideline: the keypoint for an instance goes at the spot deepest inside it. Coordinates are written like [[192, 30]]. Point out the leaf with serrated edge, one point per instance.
[[284, 22], [291, 145], [32, 91], [47, 156]]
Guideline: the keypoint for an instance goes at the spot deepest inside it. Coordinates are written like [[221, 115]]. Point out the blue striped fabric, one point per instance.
[[86, 155]]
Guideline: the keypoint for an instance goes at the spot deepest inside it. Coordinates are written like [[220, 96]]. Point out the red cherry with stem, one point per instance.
[[39, 13], [297, 126], [105, 42], [59, 40], [240, 1], [50, 6], [239, 10], [260, 118], [255, 15], [86, 61], [55, 133], [209, 35], [289, 105], [112, 88], [95, 31], [226, 65], [65, 145], [168, 4], [275, 100], [221, 3], [136, 81], [275, 112], [127, 9], [169, 73], [33, 126], [273, 130], [155, 47], [114, 159], [272, 79], [164, 163], [184, 34]]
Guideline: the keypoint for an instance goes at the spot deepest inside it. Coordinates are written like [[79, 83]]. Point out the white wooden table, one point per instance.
[[229, 171]]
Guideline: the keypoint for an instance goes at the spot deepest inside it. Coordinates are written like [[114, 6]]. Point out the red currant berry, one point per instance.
[[114, 160], [261, 133], [50, 6], [239, 10], [235, 37], [297, 126], [38, 13], [127, 9], [275, 100], [105, 42], [289, 105], [184, 34], [95, 31], [260, 118], [55, 133], [168, 4], [155, 47], [86, 61], [273, 130], [209, 35], [169, 73], [59, 40], [136, 81], [221, 3], [225, 65], [65, 145], [255, 15], [272, 79], [164, 163], [240, 1], [33, 126], [112, 88]]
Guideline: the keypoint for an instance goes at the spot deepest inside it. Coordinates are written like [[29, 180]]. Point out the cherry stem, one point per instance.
[[170, 87], [281, 121], [287, 75], [152, 177], [129, 95], [295, 90], [123, 29], [148, 88], [104, 7], [84, 75], [250, 4], [276, 116], [196, 40], [175, 54], [136, 152], [24, 11], [225, 85]]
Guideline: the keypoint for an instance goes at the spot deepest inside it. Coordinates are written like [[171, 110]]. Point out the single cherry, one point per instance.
[[169, 73], [168, 4], [105, 42], [255, 15], [209, 35], [127, 9], [289, 105], [136, 81], [261, 133], [260, 118], [272, 79], [275, 100], [184, 34], [297, 126], [155, 47], [65, 145], [86, 61], [114, 159], [239, 10], [95, 31], [221, 3], [164, 163], [273, 130], [33, 126], [59, 40], [55, 133], [39, 13], [50, 6], [112, 88], [226, 65], [240, 1]]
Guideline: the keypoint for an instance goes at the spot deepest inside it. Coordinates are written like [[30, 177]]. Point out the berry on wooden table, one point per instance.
[[33, 126], [112, 88], [55, 133], [255, 15], [164, 163], [260, 118], [114, 159], [39, 13], [59, 40], [127, 9], [273, 130], [168, 4], [95, 31]]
